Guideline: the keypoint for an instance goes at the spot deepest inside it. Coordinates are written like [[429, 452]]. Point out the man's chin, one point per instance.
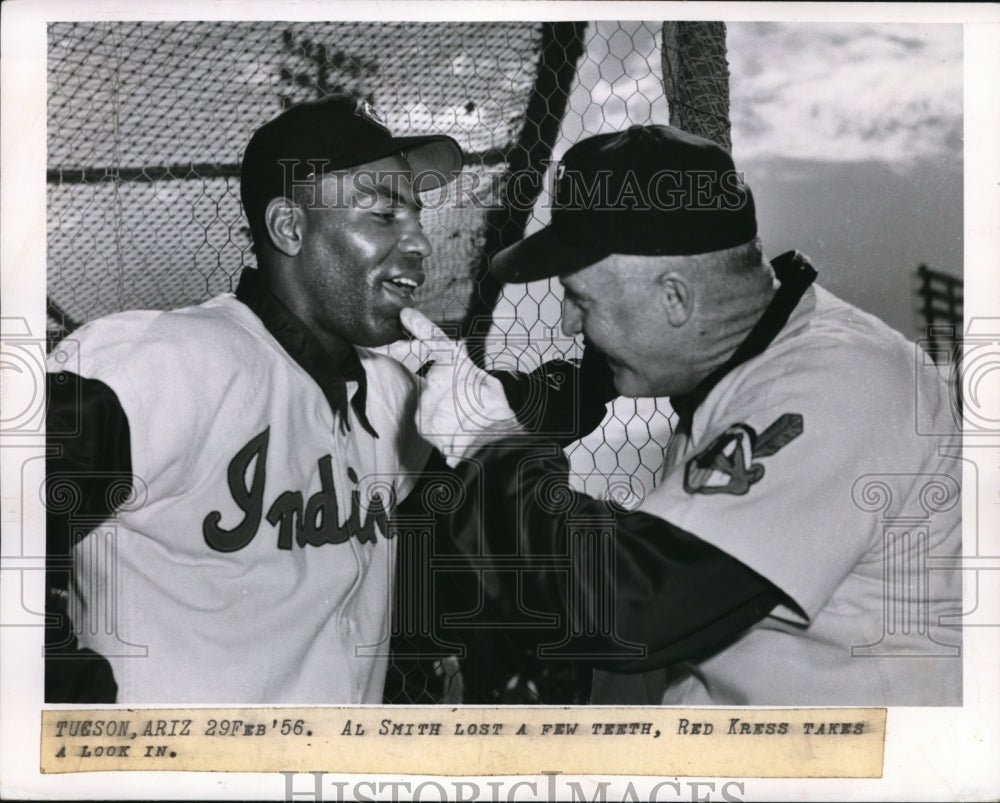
[[621, 378], [630, 385], [388, 331]]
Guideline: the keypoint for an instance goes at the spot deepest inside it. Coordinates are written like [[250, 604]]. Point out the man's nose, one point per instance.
[[414, 242], [572, 320]]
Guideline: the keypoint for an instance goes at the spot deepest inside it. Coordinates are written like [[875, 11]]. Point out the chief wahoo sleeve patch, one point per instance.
[[726, 465]]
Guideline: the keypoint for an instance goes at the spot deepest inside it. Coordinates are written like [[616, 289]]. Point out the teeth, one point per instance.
[[404, 282]]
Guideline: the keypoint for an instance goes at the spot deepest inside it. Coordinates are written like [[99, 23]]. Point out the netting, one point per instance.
[[696, 78], [147, 123], [146, 126]]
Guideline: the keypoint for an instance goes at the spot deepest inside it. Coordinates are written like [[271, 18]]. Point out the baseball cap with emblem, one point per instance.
[[649, 190], [336, 132]]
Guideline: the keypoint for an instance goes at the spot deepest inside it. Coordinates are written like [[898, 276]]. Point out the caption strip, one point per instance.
[[766, 743]]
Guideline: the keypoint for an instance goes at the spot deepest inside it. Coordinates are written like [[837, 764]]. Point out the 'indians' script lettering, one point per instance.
[[314, 523]]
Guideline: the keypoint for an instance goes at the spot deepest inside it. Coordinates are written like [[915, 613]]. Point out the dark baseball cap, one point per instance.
[[336, 132], [650, 190]]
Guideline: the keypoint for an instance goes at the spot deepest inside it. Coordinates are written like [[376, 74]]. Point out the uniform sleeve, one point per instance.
[[771, 479], [88, 467], [632, 590], [88, 472]]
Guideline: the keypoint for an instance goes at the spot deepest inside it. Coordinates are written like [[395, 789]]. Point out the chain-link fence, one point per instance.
[[147, 123]]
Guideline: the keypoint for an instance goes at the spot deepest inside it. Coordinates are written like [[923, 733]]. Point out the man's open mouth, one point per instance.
[[402, 285]]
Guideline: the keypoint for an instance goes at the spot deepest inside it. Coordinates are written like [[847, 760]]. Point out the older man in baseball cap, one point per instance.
[[247, 452], [759, 570]]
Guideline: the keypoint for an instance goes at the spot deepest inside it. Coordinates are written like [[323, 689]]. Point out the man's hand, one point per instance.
[[562, 400], [461, 407]]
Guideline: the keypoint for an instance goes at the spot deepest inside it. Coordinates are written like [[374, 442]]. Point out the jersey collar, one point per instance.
[[330, 370], [795, 274]]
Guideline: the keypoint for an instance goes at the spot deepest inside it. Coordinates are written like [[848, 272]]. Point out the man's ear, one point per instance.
[[285, 225], [676, 297]]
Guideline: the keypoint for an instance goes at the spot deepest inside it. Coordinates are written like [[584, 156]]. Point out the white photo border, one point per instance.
[[931, 754]]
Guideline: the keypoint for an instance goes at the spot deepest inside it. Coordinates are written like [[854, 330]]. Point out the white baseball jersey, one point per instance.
[[254, 564], [815, 464]]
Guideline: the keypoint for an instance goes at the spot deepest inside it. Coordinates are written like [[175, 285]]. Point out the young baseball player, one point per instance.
[[223, 474], [800, 545]]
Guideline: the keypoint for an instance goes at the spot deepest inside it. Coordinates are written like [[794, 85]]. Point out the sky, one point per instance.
[[851, 136], [834, 92]]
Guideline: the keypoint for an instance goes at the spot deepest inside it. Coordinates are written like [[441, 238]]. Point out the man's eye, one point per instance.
[[387, 215]]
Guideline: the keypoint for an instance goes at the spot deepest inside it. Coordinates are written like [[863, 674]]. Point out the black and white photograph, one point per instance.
[[502, 360]]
